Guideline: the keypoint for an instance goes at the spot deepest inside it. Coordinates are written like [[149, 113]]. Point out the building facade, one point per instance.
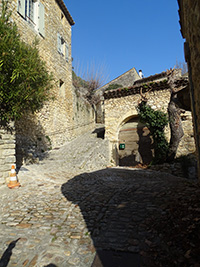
[[129, 140], [67, 116], [50, 23], [189, 12]]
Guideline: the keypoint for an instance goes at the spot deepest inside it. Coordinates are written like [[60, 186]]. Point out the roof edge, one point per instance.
[[153, 86], [123, 74], [65, 11]]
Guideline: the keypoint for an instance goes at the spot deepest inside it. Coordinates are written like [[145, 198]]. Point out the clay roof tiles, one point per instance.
[[145, 85]]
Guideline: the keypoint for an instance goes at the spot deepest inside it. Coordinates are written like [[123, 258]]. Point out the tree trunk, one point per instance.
[[175, 126]]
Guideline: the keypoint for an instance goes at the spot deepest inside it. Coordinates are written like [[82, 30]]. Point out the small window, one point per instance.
[[66, 52], [61, 83], [62, 19], [62, 89], [62, 47]]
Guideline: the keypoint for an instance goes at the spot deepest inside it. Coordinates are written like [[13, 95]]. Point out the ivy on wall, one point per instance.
[[156, 121]]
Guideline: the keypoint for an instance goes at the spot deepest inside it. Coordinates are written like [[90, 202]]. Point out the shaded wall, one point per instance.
[[190, 27]]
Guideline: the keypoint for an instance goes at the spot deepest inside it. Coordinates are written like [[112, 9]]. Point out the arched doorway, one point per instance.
[[135, 143]]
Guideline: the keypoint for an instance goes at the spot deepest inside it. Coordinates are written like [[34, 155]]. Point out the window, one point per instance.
[[62, 89], [33, 12], [30, 10], [63, 48], [62, 19]]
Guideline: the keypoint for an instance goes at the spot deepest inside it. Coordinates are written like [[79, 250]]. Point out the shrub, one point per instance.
[[24, 80]]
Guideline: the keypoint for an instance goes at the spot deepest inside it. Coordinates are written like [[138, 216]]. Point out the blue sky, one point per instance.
[[116, 35]]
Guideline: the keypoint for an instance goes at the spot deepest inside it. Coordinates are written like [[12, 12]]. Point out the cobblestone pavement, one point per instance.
[[60, 217]]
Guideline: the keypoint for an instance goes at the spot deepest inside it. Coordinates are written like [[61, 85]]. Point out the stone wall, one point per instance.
[[7, 151], [190, 27], [119, 110], [84, 115]]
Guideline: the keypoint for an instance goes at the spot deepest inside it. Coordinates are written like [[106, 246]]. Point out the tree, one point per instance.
[[174, 113], [24, 80], [182, 66], [93, 78]]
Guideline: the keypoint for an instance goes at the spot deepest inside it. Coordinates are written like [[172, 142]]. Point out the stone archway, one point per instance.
[[135, 143]]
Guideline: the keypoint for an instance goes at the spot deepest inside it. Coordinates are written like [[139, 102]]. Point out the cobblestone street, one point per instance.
[[62, 216]]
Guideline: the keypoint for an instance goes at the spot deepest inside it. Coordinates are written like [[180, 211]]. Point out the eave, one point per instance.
[[65, 11], [151, 86]]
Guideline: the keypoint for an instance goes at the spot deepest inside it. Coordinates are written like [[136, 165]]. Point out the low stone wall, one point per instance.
[[7, 151]]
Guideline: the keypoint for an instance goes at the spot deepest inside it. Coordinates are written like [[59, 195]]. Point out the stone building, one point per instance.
[[189, 12], [50, 22], [130, 141], [68, 115], [124, 80]]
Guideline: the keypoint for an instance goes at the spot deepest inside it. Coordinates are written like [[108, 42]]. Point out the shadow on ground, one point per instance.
[[5, 259], [117, 205], [8, 253], [127, 213]]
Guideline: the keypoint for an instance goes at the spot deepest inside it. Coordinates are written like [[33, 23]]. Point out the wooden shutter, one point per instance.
[[21, 7], [66, 52], [41, 23], [59, 43]]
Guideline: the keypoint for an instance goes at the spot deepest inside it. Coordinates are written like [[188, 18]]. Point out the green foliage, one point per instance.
[[156, 121], [113, 86], [24, 80]]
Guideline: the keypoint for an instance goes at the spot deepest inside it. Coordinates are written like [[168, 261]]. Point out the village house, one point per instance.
[[68, 115], [50, 22]]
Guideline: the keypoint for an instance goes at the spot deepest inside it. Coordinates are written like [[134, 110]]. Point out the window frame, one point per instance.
[[33, 12]]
